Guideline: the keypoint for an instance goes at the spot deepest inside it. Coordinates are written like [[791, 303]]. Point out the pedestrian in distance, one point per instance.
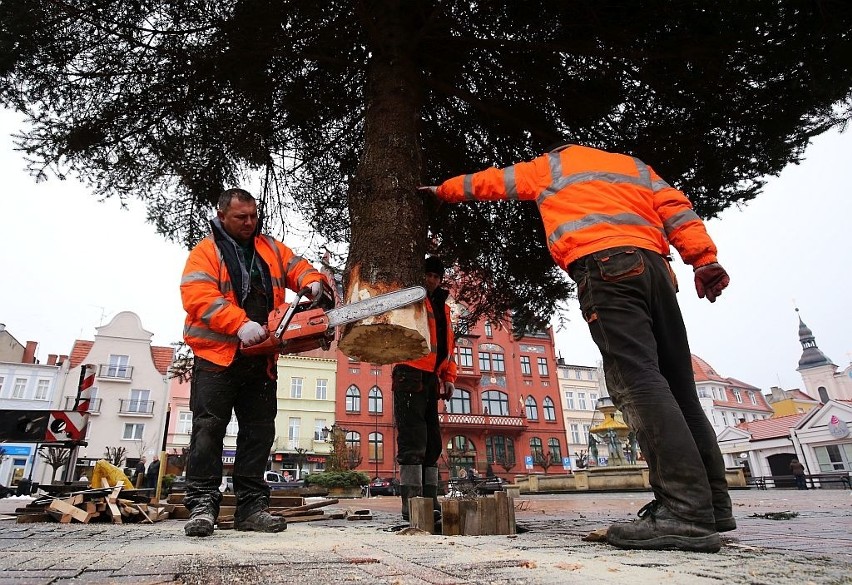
[[417, 385], [232, 279], [139, 477], [609, 220], [798, 471], [153, 473]]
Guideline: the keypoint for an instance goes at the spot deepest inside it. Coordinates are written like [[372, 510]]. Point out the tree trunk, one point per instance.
[[388, 224]]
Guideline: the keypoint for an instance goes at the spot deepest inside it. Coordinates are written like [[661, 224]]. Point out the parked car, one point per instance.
[[276, 481], [384, 486]]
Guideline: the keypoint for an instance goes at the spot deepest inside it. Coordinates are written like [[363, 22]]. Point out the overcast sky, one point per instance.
[[70, 263]]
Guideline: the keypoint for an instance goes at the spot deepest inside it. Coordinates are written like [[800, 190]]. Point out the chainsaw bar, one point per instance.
[[375, 305]]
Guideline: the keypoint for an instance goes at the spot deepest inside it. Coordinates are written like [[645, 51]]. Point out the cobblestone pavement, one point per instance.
[[813, 547]]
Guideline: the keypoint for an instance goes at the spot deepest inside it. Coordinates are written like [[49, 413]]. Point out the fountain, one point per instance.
[[612, 432]]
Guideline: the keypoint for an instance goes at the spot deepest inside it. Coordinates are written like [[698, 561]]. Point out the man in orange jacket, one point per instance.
[[232, 280], [609, 220], [417, 385]]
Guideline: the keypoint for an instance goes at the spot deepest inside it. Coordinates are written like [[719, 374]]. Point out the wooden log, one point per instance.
[[141, 511], [487, 515], [63, 507], [420, 514], [513, 528], [32, 518], [472, 523], [450, 517], [502, 502]]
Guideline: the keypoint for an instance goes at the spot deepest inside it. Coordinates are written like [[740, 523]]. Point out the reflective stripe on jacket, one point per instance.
[[446, 371], [213, 313], [591, 200]]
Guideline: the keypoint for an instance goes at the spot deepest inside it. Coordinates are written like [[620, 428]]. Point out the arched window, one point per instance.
[[549, 409], [500, 450], [555, 450], [461, 444], [353, 449], [377, 447], [495, 403], [531, 408], [823, 394], [535, 449], [353, 399], [460, 402], [375, 403]]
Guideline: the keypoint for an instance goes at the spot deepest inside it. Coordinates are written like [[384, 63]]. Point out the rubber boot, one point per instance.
[[410, 485], [430, 489]]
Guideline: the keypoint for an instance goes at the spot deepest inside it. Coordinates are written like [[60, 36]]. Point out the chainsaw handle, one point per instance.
[[291, 310]]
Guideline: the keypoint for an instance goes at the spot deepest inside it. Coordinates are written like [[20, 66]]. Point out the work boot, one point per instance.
[[430, 489], [410, 485], [261, 521], [200, 524], [725, 524], [658, 529]]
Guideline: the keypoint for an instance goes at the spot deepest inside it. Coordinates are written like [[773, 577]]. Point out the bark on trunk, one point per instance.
[[388, 225]]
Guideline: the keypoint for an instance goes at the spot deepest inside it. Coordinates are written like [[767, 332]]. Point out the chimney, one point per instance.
[[29, 353], [51, 359], [2, 327], [62, 359], [778, 394]]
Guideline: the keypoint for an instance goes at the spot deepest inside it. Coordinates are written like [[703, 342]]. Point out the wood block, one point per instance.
[[513, 528], [114, 513], [502, 502], [451, 521], [420, 514], [311, 518], [472, 523], [31, 518], [64, 507], [487, 515]]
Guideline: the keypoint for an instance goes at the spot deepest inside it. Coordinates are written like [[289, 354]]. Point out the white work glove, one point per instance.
[[449, 388], [316, 290], [428, 189], [251, 333]]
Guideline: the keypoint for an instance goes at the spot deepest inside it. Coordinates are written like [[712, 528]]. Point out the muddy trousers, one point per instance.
[[627, 296], [245, 388]]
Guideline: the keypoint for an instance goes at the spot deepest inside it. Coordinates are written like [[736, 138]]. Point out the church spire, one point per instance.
[[812, 356]]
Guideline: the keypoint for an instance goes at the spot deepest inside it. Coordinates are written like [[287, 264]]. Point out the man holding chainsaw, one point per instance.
[[232, 280], [417, 385], [609, 220]]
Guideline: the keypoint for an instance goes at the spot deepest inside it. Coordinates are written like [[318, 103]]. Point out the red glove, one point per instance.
[[447, 389], [710, 281]]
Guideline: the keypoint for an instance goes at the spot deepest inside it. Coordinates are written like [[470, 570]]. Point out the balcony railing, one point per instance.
[[482, 420], [129, 406], [94, 404], [113, 372]]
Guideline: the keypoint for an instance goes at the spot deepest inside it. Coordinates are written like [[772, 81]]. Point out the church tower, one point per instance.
[[819, 375]]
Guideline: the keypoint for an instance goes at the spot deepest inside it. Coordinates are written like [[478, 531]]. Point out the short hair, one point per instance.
[[228, 194]]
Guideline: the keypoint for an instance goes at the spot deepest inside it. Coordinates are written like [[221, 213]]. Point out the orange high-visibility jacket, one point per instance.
[[446, 370], [213, 314], [591, 200]]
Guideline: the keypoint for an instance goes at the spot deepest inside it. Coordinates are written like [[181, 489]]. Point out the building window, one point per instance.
[[703, 393], [834, 457], [569, 400], [19, 388], [555, 450], [319, 425], [375, 403], [184, 426], [233, 427], [526, 368], [294, 429], [542, 367], [593, 401], [465, 356], [737, 396], [577, 374], [536, 449], [549, 409], [752, 398], [499, 362], [581, 401], [322, 389], [495, 403], [296, 387], [823, 395], [500, 450], [586, 429], [589, 375], [489, 332], [575, 434], [459, 403], [140, 401], [531, 408], [2, 379], [377, 447], [353, 399], [118, 366], [484, 361], [42, 388], [133, 431], [353, 448]]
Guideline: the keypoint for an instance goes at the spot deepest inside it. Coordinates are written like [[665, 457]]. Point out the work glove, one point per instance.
[[251, 333], [448, 389], [710, 281], [316, 290], [428, 189]]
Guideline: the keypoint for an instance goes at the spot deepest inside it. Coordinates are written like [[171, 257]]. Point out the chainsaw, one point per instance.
[[302, 326]]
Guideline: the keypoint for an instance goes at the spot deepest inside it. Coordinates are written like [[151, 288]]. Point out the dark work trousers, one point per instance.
[[245, 387], [415, 408], [627, 296]]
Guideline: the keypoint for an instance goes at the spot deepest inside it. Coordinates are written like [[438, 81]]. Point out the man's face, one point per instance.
[[239, 219], [432, 281]]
